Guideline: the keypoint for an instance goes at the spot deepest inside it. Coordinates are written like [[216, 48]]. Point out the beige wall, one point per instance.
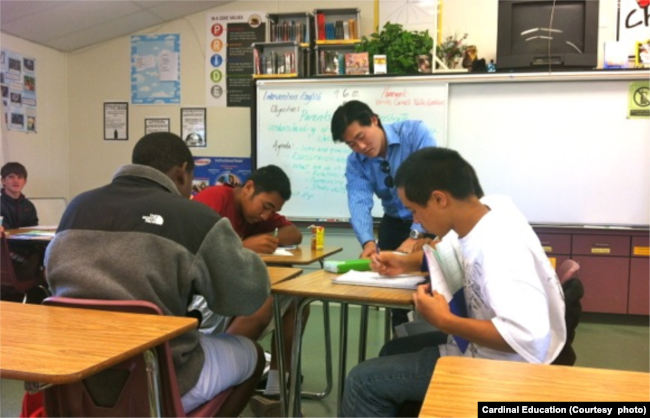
[[68, 154], [44, 153]]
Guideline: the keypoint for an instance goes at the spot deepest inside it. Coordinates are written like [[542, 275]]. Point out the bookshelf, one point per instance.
[[291, 27], [281, 59], [337, 26]]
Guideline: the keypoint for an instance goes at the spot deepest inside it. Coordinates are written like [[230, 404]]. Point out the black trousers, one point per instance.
[[392, 233]]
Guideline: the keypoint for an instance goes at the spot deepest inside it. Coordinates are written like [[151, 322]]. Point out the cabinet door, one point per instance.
[[639, 286], [605, 280]]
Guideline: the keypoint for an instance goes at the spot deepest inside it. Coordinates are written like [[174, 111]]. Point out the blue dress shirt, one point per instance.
[[365, 178]]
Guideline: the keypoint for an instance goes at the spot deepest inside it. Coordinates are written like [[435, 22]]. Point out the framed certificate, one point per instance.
[[152, 125], [116, 121], [193, 130]]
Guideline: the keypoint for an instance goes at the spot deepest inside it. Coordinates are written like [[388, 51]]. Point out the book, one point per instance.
[[357, 63], [374, 279], [446, 277], [379, 64]]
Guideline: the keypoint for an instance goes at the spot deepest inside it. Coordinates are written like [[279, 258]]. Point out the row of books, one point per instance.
[[288, 31], [338, 30], [275, 62], [336, 63]]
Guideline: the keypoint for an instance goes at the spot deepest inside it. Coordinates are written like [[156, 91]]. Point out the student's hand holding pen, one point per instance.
[[262, 243]]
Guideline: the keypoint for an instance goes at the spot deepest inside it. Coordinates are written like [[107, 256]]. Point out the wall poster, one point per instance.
[[18, 83], [229, 56], [213, 171], [155, 69]]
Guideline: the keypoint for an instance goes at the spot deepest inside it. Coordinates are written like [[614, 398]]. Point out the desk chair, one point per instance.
[[120, 391], [24, 280], [573, 292]]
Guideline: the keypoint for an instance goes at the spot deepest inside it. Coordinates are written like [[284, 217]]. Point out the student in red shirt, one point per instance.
[[252, 210]]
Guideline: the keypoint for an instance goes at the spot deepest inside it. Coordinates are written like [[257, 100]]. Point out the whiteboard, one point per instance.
[[564, 151], [291, 129]]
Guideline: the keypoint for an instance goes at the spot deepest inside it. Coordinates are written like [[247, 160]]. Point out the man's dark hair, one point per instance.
[[13, 168], [162, 151], [435, 168], [348, 113], [271, 179]]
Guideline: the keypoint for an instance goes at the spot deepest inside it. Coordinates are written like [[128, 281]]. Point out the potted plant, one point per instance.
[[451, 50], [400, 46]]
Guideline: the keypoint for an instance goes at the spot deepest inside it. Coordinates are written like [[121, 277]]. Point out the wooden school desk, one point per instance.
[[56, 345], [302, 255], [318, 286], [459, 383], [279, 274]]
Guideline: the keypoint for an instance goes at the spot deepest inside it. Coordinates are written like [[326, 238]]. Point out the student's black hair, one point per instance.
[[13, 168], [162, 151], [437, 168], [350, 112], [271, 179]]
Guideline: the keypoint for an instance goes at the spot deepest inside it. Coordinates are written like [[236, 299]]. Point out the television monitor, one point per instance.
[[537, 35]]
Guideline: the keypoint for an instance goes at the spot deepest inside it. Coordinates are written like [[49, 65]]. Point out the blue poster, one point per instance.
[[211, 171], [155, 69]]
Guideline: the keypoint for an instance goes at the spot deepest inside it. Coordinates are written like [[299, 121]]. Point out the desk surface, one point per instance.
[[301, 256], [318, 285], [279, 274], [57, 345], [459, 383]]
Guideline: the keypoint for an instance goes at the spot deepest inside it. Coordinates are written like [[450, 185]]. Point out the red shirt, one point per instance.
[[222, 200]]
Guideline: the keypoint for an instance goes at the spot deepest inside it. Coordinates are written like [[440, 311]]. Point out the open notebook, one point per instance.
[[374, 279]]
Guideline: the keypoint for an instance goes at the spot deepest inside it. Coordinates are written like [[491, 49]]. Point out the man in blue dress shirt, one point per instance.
[[378, 151]]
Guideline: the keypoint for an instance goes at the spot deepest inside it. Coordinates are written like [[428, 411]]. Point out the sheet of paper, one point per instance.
[[374, 279], [282, 252]]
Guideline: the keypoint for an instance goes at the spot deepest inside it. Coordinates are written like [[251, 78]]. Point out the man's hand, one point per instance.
[[369, 249], [262, 244]]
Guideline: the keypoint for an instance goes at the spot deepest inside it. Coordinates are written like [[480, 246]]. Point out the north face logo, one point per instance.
[[154, 219]]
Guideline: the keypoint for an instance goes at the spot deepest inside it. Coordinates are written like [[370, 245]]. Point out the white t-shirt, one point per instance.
[[510, 281]]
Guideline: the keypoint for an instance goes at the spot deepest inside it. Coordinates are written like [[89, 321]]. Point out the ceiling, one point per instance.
[[70, 25]]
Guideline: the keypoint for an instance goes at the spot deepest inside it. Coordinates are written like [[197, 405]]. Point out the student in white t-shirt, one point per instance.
[[515, 305]]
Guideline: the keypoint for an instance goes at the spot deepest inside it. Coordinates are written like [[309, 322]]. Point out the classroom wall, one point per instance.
[[68, 154], [102, 73], [44, 153]]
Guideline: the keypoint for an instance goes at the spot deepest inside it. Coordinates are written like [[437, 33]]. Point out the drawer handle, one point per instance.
[[600, 244]]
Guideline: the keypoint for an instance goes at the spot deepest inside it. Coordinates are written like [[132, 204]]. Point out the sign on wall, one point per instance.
[[633, 23]]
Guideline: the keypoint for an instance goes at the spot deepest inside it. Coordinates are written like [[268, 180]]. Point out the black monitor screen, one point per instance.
[[531, 31]]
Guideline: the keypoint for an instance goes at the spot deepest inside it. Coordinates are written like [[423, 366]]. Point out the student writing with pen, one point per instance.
[[252, 209], [514, 300]]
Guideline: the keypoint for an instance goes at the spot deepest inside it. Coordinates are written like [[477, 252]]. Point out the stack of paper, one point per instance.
[[374, 279]]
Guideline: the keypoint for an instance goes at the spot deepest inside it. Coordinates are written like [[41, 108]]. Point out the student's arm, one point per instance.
[[289, 235], [435, 309]]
